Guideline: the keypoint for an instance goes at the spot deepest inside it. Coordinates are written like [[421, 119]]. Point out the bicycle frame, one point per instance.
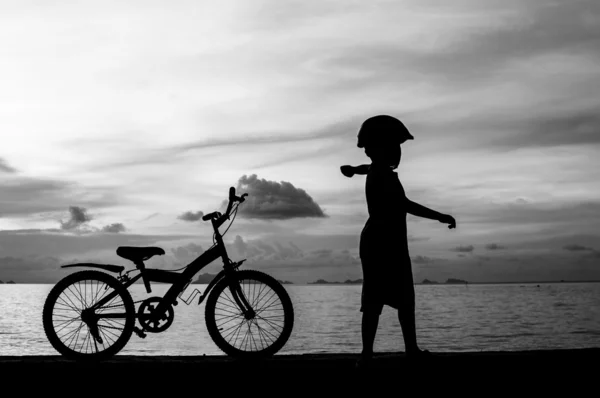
[[180, 281]]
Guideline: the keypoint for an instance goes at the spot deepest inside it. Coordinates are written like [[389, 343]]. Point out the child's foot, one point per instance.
[[364, 362], [418, 353]]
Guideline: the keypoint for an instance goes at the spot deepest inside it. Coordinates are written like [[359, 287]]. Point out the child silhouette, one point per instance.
[[386, 264]]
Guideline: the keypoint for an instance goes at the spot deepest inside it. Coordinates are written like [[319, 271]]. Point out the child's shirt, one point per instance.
[[386, 227]]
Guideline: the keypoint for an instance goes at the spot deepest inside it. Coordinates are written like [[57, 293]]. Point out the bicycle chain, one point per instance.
[[114, 306], [121, 305]]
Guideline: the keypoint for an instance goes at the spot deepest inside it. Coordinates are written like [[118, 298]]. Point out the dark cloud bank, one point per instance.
[[191, 216], [271, 200], [4, 167], [79, 219], [577, 248]]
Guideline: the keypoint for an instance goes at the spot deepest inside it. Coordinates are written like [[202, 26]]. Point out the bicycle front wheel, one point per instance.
[[76, 331], [260, 335]]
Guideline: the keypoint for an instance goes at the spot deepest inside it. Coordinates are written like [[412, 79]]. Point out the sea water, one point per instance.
[[450, 318]]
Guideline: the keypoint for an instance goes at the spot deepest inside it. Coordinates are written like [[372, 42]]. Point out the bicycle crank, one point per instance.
[[150, 320]]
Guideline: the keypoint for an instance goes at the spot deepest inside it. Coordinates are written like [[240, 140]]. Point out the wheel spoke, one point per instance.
[[65, 327], [236, 332], [261, 299], [233, 332], [231, 319], [75, 307], [230, 312], [263, 334]]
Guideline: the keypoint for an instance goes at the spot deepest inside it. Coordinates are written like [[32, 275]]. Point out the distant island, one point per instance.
[[204, 279], [346, 282], [8, 283], [449, 281], [452, 281], [285, 282]]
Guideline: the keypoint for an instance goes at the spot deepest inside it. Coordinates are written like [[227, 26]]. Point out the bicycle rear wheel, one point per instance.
[[79, 333], [261, 335]]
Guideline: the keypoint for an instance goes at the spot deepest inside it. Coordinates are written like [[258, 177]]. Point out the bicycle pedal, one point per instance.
[[139, 332]]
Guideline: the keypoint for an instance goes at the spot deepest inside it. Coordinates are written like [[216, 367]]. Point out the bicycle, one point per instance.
[[104, 315]]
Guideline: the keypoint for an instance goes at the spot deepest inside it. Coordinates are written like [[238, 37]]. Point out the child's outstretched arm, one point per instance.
[[350, 171], [421, 211]]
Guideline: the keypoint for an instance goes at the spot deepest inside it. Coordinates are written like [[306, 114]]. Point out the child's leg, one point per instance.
[[409, 329], [406, 316], [370, 321]]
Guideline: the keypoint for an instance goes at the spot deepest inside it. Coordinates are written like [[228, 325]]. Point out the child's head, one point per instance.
[[381, 137]]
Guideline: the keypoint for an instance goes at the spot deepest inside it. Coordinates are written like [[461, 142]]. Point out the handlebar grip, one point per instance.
[[231, 193], [209, 216]]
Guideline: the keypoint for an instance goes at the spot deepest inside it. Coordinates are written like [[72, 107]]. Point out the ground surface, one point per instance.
[[553, 371]]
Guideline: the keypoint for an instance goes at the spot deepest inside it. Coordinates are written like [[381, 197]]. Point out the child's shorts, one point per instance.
[[393, 287]]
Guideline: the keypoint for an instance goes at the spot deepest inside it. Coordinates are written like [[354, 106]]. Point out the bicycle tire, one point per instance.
[[284, 311], [55, 319]]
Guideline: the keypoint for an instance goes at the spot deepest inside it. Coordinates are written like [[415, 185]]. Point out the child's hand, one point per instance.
[[448, 219], [348, 171]]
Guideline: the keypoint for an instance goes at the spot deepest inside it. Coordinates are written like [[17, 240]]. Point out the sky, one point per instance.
[[123, 122]]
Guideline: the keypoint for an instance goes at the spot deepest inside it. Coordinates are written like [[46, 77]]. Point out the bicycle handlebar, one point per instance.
[[222, 217], [209, 216]]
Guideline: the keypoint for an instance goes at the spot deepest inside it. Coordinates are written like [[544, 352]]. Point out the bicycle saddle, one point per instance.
[[136, 254]]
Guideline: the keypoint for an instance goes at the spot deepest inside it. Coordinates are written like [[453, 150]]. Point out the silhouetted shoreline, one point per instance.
[[512, 369], [336, 283], [326, 283]]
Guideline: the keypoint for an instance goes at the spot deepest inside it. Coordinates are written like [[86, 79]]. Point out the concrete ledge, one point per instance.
[[548, 370]]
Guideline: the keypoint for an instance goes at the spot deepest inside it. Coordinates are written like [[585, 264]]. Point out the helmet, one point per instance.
[[383, 129]]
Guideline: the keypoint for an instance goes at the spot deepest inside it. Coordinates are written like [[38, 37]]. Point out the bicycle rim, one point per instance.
[[266, 332], [67, 331]]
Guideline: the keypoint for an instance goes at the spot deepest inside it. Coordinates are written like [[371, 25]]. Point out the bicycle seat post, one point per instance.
[[140, 265]]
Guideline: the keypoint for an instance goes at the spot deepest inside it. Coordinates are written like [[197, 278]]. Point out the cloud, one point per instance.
[[56, 243], [297, 250], [331, 130], [24, 196], [248, 139], [30, 269], [4, 167], [321, 253], [270, 200], [266, 248], [78, 218], [477, 50], [150, 216], [258, 251], [114, 228], [463, 249], [191, 216], [240, 245], [286, 252], [561, 128], [576, 213], [494, 246], [288, 260], [187, 253], [576, 248], [593, 254], [412, 238]]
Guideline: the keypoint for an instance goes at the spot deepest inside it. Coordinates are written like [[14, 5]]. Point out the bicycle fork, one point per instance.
[[240, 299]]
